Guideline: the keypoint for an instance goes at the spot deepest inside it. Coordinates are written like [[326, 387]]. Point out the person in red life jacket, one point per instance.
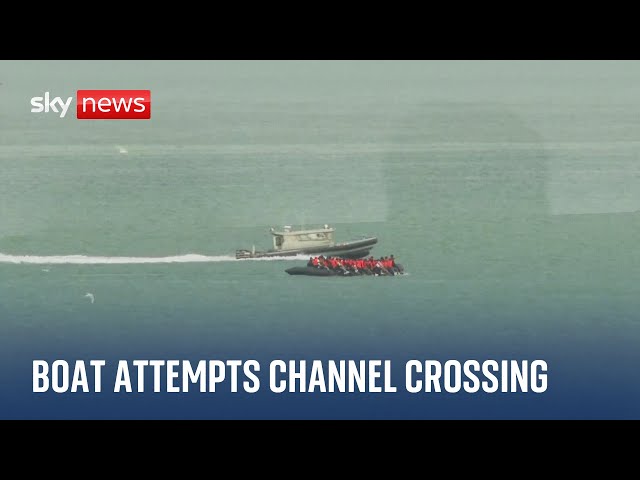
[[357, 264], [386, 263], [376, 267], [343, 265], [350, 265], [367, 265], [371, 265], [363, 267], [379, 269], [394, 266], [346, 263], [315, 262], [323, 262]]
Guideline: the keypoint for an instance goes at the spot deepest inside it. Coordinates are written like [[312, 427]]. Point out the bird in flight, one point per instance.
[[90, 295]]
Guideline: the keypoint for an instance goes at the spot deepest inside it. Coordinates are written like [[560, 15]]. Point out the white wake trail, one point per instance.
[[95, 260]]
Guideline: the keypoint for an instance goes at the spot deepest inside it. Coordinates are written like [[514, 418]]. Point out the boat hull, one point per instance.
[[354, 249], [311, 271]]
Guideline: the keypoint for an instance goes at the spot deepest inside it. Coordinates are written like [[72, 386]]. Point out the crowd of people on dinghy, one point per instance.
[[357, 266]]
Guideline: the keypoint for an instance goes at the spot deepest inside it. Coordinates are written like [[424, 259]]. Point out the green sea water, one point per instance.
[[509, 190]]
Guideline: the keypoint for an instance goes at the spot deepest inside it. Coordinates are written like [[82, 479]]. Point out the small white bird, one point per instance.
[[91, 297]]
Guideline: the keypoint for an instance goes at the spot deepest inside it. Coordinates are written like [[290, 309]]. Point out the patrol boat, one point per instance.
[[310, 241]]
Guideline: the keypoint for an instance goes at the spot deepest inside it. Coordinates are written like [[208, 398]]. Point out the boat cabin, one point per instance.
[[291, 239]]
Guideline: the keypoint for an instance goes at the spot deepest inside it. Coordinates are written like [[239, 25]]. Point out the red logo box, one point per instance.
[[113, 104]]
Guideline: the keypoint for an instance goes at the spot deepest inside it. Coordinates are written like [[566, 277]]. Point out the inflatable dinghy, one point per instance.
[[325, 272]]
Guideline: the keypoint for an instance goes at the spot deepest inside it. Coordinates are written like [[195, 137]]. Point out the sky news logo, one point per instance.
[[98, 104]]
